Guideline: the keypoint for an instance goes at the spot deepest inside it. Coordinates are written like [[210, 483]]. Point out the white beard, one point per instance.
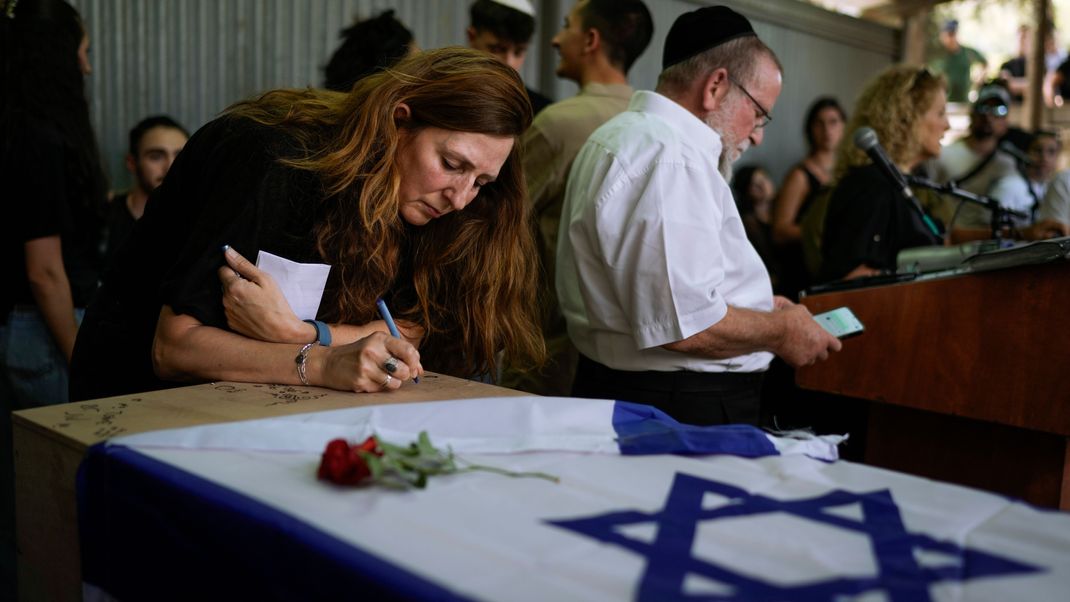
[[731, 150], [729, 155]]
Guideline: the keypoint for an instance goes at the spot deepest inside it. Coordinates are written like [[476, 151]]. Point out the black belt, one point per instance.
[[669, 381]]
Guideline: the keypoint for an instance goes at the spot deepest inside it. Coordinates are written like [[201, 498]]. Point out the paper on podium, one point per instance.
[[301, 283]]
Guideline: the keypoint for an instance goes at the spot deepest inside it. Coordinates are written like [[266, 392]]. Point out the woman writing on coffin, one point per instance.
[[409, 187]]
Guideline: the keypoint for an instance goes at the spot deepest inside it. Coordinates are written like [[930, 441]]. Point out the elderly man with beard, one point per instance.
[[666, 300]]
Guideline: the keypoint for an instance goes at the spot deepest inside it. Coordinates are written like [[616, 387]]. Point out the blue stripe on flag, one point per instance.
[[147, 526], [642, 429]]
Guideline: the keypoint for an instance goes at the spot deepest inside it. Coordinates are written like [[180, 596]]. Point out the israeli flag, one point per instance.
[[499, 425], [645, 509]]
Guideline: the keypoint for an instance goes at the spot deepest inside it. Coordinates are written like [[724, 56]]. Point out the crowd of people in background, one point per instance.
[[552, 255], [811, 229], [593, 246]]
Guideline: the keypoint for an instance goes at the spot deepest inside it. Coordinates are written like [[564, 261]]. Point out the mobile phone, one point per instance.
[[840, 322]]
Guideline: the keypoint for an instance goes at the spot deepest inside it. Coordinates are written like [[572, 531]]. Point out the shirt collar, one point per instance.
[[685, 122], [615, 90]]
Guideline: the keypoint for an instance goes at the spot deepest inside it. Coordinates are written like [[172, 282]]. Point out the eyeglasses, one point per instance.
[[763, 118], [994, 110]]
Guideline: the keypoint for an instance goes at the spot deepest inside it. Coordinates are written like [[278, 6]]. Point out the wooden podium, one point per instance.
[[971, 375]]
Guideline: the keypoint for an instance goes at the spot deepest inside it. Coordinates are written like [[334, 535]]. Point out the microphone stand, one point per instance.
[[1001, 216]]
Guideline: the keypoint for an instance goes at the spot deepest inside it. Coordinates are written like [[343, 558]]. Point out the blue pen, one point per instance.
[[385, 313]]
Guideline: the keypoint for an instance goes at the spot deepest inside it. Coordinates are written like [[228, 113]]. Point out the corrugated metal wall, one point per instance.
[[192, 58]]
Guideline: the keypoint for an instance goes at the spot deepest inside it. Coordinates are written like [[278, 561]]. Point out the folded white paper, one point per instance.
[[301, 283]]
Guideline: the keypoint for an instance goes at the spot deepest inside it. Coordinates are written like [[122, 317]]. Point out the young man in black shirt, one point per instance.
[[154, 143]]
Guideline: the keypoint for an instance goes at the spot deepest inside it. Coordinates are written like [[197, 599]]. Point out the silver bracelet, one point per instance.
[[301, 360]]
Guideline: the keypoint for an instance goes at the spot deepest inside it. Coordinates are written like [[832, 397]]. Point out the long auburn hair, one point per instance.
[[473, 271]]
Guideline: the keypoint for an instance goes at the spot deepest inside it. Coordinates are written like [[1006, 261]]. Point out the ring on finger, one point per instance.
[[386, 383], [391, 365]]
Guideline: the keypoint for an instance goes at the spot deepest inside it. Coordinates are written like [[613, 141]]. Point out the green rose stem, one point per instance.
[[399, 467], [510, 473]]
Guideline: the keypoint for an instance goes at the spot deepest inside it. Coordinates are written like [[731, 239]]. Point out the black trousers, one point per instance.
[[700, 398]]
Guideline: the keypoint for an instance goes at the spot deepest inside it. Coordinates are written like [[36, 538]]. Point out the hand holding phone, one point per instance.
[[840, 322]]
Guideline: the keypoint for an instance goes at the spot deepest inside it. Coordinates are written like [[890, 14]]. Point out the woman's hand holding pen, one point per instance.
[[364, 366], [256, 308], [411, 332]]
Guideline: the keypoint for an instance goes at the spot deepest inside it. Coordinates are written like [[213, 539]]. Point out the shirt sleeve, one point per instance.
[[212, 196], [1012, 192], [1056, 204], [855, 226], [541, 165], [39, 169], [663, 251]]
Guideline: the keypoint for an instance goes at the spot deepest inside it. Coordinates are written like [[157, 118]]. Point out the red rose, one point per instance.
[[371, 445], [344, 464], [400, 467]]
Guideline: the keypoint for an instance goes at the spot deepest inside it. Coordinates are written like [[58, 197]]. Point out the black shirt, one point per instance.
[[538, 101], [118, 226], [868, 222], [793, 275], [226, 187], [42, 198]]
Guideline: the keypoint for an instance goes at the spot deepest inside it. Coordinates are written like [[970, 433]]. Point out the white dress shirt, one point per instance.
[[1056, 204], [651, 248]]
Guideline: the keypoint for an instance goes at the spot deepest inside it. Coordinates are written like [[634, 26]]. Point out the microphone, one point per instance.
[[866, 140], [1008, 147]]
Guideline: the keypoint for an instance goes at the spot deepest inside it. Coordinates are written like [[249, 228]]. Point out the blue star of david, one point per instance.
[[669, 559]]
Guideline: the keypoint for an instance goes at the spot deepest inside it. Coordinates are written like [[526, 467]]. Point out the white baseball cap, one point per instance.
[[523, 6]]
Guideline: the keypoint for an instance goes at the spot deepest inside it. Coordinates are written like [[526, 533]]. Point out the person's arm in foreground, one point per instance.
[[184, 349], [51, 290], [786, 207], [256, 308], [788, 331]]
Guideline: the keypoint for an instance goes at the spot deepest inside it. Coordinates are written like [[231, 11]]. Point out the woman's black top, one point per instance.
[[868, 222], [43, 198], [793, 275], [226, 187], [815, 187]]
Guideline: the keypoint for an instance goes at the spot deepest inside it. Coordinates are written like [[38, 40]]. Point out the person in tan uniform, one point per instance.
[[598, 43]]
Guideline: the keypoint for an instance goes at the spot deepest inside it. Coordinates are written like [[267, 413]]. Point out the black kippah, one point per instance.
[[702, 29]]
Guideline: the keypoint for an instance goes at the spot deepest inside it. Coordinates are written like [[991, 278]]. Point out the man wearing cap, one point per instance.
[[977, 164], [664, 297], [956, 63], [503, 28], [598, 43]]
